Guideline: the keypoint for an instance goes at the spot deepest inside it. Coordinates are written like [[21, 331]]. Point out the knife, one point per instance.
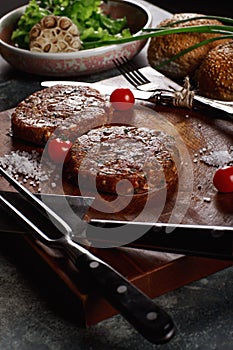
[[103, 88], [159, 97], [196, 240], [137, 308]]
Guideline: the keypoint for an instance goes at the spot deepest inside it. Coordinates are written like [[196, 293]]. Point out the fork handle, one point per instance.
[[167, 98], [203, 102], [150, 320], [138, 309]]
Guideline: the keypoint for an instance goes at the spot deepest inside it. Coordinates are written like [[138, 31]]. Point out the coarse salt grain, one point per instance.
[[218, 158], [25, 164]]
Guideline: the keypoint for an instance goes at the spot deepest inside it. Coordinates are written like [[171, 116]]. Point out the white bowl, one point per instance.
[[80, 62]]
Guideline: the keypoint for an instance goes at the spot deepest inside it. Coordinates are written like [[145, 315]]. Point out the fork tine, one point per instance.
[[130, 72], [37, 203], [25, 219], [125, 72], [134, 69]]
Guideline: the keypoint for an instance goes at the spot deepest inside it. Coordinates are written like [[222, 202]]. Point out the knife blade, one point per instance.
[[196, 240], [103, 88], [158, 96]]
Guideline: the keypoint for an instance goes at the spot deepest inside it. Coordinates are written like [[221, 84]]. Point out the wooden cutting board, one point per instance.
[[195, 201]]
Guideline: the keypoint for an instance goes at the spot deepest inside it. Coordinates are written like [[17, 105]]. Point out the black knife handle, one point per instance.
[[137, 308]]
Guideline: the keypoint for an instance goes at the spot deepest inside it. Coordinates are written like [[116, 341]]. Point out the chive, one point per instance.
[[193, 47], [224, 31], [220, 19], [214, 29]]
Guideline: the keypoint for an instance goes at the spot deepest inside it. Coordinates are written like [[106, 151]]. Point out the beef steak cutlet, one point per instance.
[[104, 156], [74, 110]]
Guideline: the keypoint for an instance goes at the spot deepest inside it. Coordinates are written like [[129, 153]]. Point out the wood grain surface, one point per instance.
[[194, 201]]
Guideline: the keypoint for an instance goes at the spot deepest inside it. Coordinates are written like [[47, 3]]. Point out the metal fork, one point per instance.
[[129, 70], [183, 98]]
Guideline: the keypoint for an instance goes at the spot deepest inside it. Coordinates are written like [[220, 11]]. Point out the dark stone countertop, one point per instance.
[[36, 310], [35, 306]]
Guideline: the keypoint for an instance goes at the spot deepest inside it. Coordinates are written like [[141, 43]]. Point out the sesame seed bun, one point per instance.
[[215, 75], [165, 47]]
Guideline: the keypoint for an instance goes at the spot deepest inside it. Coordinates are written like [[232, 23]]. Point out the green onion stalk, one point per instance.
[[225, 31]]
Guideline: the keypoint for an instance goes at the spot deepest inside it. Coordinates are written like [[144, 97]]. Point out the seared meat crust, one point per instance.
[[107, 155], [74, 110]]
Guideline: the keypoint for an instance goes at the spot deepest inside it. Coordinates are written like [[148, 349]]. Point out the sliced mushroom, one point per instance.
[[55, 34]]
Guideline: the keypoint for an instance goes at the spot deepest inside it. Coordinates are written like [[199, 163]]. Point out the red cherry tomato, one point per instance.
[[223, 179], [58, 149], [122, 99]]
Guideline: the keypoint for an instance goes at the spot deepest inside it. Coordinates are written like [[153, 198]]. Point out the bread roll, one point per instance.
[[215, 75], [165, 47]]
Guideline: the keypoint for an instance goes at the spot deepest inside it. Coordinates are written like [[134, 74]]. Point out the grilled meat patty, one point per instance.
[[105, 156], [74, 110]]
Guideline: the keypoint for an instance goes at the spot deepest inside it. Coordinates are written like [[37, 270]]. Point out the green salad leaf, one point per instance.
[[81, 11], [92, 23]]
